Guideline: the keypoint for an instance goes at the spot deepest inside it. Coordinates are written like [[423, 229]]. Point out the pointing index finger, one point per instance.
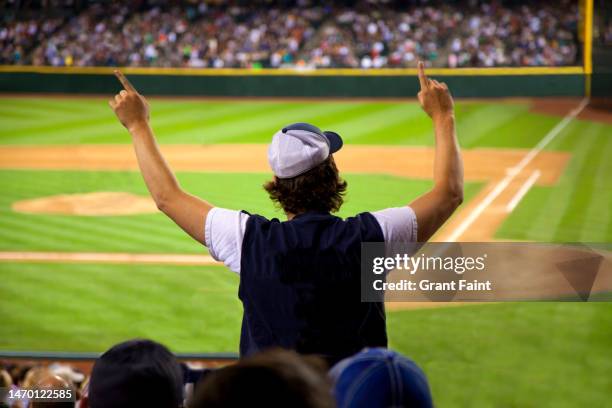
[[124, 81], [422, 77]]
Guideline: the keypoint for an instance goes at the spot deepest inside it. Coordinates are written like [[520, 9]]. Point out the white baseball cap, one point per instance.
[[299, 147]]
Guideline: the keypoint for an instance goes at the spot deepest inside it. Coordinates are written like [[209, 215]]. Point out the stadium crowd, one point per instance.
[[19, 36], [143, 373], [282, 34]]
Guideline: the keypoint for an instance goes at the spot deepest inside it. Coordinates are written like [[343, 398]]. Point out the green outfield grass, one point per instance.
[[506, 355], [57, 121]]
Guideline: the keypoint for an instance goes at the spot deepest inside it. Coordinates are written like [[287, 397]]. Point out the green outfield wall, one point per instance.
[[327, 83], [602, 72]]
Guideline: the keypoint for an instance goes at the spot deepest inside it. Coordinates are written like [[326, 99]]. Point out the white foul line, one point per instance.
[[523, 190], [513, 171]]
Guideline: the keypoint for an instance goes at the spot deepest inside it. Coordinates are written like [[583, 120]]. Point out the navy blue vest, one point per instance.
[[300, 286]]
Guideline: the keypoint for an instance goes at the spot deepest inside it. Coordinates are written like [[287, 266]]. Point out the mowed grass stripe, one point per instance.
[[37, 183], [38, 236], [93, 234], [98, 119], [146, 224], [568, 212], [590, 225], [107, 295], [52, 105], [190, 125], [411, 131], [341, 124], [524, 131], [168, 237], [262, 126], [601, 199], [49, 132], [17, 116], [72, 233], [214, 128], [46, 235], [327, 119], [368, 128], [53, 114], [578, 181], [481, 121], [410, 128]]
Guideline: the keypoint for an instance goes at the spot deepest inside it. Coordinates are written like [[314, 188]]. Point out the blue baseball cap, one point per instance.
[[377, 377], [299, 147]]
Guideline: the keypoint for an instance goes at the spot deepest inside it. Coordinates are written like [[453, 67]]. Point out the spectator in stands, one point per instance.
[[18, 372], [54, 382], [6, 382], [380, 378], [136, 373], [275, 378], [67, 372], [33, 376]]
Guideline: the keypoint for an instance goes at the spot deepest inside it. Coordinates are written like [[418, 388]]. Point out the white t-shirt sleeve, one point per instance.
[[223, 234], [398, 224]]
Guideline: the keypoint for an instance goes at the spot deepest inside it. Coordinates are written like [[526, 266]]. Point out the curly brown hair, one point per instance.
[[319, 189]]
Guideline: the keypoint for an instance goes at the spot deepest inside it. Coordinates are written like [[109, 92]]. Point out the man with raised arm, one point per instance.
[[300, 278]]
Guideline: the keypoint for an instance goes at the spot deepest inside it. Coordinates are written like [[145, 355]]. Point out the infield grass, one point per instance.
[[155, 233]]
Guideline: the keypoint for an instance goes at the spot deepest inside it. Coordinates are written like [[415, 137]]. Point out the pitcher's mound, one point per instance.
[[90, 204]]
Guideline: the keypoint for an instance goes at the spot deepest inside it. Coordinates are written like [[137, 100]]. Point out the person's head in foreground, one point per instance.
[[379, 378], [136, 373], [275, 378], [305, 174]]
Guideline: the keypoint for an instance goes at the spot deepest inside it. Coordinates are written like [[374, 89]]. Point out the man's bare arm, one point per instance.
[[433, 208], [188, 211]]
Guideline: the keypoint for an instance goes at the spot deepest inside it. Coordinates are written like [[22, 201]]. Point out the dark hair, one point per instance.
[[276, 378], [319, 189], [136, 373]]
